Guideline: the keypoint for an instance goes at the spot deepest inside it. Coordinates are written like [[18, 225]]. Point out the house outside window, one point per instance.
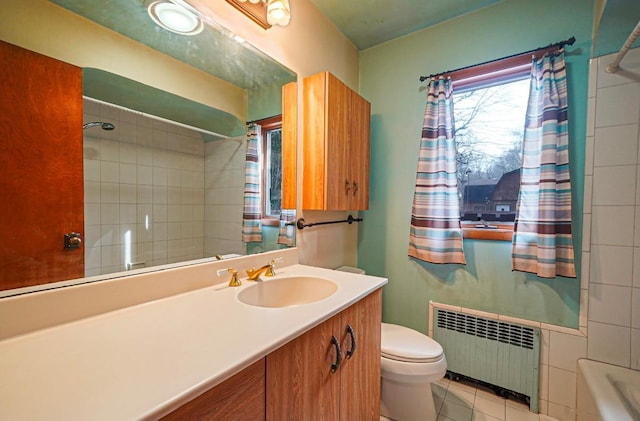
[[489, 111]]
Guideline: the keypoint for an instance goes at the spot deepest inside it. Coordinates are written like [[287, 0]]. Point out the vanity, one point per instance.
[[197, 353]]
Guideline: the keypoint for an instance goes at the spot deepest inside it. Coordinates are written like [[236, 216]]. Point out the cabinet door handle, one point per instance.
[[336, 364], [355, 187], [347, 186], [353, 341]]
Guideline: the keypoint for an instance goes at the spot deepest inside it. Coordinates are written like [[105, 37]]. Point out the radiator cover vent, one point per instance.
[[494, 330]]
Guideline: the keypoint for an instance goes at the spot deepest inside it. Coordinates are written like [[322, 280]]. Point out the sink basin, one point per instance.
[[287, 292]]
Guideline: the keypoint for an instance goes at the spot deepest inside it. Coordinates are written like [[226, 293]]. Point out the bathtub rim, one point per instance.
[[611, 404]]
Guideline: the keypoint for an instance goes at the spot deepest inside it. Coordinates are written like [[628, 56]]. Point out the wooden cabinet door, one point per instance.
[[41, 175], [336, 145], [289, 142], [314, 134], [338, 181], [300, 384], [360, 374], [359, 152], [239, 398]]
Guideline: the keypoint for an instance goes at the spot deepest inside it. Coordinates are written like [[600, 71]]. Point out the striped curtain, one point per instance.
[[435, 233], [252, 210], [542, 242], [287, 233]]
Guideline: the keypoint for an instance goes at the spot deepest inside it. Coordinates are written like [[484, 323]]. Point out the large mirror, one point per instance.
[[164, 178]]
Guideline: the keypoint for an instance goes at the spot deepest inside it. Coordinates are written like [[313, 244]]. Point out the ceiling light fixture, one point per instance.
[[174, 17], [265, 12]]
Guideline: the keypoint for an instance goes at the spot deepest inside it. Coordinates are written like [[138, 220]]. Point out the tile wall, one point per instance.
[[145, 190], [610, 284], [612, 184], [224, 188]]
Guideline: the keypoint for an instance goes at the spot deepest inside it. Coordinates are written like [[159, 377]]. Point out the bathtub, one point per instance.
[[607, 392]]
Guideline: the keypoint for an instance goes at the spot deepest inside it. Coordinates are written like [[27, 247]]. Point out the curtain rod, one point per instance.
[[558, 45]]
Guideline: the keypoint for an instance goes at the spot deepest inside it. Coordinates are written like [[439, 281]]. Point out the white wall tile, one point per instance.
[[635, 349], [588, 192], [565, 350], [611, 185], [91, 192], [593, 78], [109, 172], [611, 265], [610, 225], [109, 193], [609, 343], [91, 170], [636, 267], [616, 145], [562, 387], [561, 413], [589, 155], [618, 105], [635, 308], [610, 304], [586, 231], [128, 173], [583, 317]]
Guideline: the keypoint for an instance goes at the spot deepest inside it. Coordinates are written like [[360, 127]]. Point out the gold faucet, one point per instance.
[[268, 269]]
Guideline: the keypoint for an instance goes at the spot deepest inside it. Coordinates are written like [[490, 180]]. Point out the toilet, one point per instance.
[[410, 362]]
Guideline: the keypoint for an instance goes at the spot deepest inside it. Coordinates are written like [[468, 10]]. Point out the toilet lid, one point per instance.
[[404, 344]]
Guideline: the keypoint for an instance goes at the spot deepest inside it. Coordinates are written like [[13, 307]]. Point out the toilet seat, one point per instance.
[[401, 343]]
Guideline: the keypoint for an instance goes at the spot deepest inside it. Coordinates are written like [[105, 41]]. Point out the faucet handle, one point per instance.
[[271, 270], [234, 281]]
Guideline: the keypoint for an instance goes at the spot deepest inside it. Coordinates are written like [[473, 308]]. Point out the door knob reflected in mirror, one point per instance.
[[73, 240]]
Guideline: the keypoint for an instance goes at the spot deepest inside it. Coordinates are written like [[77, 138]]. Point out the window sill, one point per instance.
[[271, 222], [502, 232]]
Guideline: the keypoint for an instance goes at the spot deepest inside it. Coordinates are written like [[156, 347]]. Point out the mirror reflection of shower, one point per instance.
[[103, 125]]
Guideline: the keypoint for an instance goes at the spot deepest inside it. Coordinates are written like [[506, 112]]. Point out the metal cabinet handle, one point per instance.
[[336, 364], [353, 342], [347, 186], [355, 187]]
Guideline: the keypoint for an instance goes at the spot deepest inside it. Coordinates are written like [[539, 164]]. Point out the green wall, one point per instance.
[[389, 79]]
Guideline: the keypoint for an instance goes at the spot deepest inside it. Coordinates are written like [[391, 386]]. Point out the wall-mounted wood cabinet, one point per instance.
[[301, 384], [336, 145], [289, 142]]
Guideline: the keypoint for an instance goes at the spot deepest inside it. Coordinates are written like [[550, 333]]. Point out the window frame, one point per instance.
[[266, 125], [481, 76]]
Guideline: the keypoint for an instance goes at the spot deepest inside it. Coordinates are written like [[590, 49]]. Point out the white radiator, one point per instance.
[[499, 353]]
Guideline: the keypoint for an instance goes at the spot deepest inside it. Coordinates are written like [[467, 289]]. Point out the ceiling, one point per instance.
[[371, 22]]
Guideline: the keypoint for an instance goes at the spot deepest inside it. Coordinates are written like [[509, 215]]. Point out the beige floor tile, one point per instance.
[[479, 416], [455, 411], [461, 397], [514, 414], [489, 407]]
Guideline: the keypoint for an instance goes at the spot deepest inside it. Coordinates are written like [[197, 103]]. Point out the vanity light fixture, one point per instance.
[[174, 17], [278, 12], [265, 12]]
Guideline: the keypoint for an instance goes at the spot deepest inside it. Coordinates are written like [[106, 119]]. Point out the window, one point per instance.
[[271, 169], [489, 110]]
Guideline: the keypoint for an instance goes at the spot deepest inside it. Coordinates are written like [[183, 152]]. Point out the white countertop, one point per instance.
[[145, 360]]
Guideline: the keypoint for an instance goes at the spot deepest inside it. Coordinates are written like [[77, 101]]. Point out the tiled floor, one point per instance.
[[457, 401]]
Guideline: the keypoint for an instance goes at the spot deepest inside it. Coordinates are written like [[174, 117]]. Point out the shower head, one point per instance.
[[103, 125]]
